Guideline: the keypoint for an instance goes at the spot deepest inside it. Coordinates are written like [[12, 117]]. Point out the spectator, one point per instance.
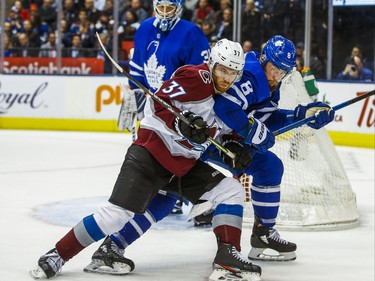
[[66, 36], [88, 38], [48, 50], [267, 19], [82, 20], [24, 48], [32, 33], [208, 30], [247, 46], [70, 10], [137, 8], [129, 26], [76, 51], [300, 52], [40, 27], [355, 70], [15, 21], [100, 53], [251, 19], [224, 4], [8, 47], [317, 62], [225, 28], [48, 14], [204, 12], [91, 12], [24, 13]]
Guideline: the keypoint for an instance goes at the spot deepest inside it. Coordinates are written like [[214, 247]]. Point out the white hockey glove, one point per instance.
[[128, 112]]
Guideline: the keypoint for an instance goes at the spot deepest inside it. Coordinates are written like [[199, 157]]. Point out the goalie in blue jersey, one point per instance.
[[162, 44]]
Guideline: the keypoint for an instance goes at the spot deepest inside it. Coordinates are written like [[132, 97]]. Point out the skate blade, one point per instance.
[[260, 254], [225, 275], [38, 273], [100, 268]]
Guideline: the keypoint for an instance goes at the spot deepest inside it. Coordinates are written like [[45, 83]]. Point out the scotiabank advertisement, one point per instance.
[[79, 66]]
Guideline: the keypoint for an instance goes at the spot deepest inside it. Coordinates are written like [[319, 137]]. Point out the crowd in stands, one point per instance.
[[30, 26]]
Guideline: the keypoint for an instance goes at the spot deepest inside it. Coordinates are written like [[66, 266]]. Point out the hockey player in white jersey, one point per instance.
[[166, 156]]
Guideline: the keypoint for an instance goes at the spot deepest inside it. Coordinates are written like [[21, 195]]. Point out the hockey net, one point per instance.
[[315, 191]]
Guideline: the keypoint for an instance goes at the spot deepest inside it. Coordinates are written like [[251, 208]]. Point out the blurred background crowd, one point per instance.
[[29, 29]]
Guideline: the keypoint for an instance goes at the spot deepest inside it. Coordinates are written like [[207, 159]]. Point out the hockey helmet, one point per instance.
[[281, 52], [167, 11], [229, 54]]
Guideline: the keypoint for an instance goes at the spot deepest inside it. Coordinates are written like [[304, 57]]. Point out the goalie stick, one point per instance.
[[311, 118], [160, 101]]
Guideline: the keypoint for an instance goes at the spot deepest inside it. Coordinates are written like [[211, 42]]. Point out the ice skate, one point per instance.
[[109, 259], [204, 219], [267, 245], [177, 209], [231, 266], [49, 265]]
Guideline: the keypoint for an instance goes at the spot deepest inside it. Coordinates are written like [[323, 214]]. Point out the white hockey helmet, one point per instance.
[[229, 54], [167, 11]]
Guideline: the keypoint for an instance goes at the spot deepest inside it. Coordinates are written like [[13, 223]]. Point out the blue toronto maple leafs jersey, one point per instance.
[[157, 55], [251, 96]]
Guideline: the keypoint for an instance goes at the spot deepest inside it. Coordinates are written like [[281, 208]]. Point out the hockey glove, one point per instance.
[[128, 111], [323, 113], [242, 159], [196, 131], [260, 136]]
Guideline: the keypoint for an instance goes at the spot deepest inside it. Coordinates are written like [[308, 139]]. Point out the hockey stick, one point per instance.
[[311, 118], [160, 101]]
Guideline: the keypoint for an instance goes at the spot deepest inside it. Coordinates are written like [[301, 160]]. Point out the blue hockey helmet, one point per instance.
[[281, 52], [167, 11]]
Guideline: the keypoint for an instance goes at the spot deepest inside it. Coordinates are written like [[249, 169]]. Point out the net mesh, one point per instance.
[[315, 191]]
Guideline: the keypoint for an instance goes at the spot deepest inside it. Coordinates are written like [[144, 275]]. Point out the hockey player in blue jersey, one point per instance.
[[257, 96], [166, 156]]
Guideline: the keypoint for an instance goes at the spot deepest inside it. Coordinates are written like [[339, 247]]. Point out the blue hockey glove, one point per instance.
[[323, 113], [242, 159], [260, 136], [196, 131]]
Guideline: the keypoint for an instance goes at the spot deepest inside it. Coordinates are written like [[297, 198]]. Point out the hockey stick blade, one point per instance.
[[311, 118], [159, 100]]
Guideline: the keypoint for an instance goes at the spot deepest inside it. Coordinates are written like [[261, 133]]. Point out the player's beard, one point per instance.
[[272, 84]]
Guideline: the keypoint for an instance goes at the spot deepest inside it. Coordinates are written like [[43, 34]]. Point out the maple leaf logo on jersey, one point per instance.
[[154, 73]]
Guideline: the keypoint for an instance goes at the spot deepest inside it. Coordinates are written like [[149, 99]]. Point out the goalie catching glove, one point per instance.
[[323, 113], [128, 112], [242, 159], [196, 131]]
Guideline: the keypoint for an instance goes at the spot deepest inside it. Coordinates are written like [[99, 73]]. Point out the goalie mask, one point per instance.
[[229, 54], [167, 12], [281, 52]]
